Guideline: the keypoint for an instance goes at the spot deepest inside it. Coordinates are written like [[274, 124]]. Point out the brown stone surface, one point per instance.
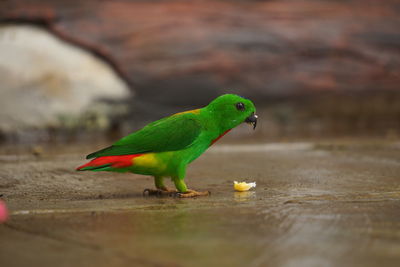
[[180, 52], [327, 204]]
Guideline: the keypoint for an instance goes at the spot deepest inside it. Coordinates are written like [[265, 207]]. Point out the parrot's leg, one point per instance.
[[184, 192], [161, 188]]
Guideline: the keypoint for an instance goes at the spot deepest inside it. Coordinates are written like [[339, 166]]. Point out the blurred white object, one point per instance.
[[45, 80], [243, 186]]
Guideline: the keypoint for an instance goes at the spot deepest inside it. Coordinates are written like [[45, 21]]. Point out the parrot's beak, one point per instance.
[[252, 119]]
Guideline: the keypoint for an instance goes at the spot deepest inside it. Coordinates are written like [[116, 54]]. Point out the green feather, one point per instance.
[[169, 134]]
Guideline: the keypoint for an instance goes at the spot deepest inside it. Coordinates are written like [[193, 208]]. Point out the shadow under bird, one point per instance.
[[164, 148]]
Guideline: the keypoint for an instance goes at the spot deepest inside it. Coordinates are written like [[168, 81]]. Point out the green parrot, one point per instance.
[[164, 148]]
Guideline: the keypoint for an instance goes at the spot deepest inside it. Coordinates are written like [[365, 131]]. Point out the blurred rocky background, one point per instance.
[[72, 70]]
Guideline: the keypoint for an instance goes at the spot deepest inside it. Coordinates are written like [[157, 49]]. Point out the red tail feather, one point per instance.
[[113, 161]]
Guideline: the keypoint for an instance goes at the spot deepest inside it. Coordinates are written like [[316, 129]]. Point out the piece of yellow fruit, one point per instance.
[[243, 186]]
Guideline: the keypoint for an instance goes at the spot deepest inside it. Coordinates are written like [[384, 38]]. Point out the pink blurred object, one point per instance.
[[3, 212]]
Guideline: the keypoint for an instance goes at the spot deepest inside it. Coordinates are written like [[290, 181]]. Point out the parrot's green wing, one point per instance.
[[169, 134]]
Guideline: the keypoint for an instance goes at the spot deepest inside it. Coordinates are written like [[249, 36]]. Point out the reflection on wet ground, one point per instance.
[[313, 206]]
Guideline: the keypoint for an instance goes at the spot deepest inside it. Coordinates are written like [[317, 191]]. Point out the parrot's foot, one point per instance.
[[192, 193], [159, 192]]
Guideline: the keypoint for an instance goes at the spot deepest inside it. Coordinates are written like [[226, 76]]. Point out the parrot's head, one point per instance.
[[231, 110]]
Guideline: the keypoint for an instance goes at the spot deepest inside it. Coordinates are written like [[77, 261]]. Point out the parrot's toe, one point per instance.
[[193, 193], [159, 192]]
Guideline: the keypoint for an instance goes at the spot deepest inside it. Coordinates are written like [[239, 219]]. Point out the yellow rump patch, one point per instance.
[[147, 160], [194, 111]]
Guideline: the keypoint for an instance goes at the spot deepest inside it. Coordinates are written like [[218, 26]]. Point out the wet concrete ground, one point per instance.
[[330, 204]]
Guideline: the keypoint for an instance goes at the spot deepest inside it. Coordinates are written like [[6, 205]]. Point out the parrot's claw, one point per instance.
[[159, 192], [193, 193]]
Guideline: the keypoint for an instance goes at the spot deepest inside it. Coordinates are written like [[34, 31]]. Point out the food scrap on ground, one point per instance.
[[243, 186]]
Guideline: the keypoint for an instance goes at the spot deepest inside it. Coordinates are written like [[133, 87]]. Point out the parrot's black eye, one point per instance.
[[240, 106]]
